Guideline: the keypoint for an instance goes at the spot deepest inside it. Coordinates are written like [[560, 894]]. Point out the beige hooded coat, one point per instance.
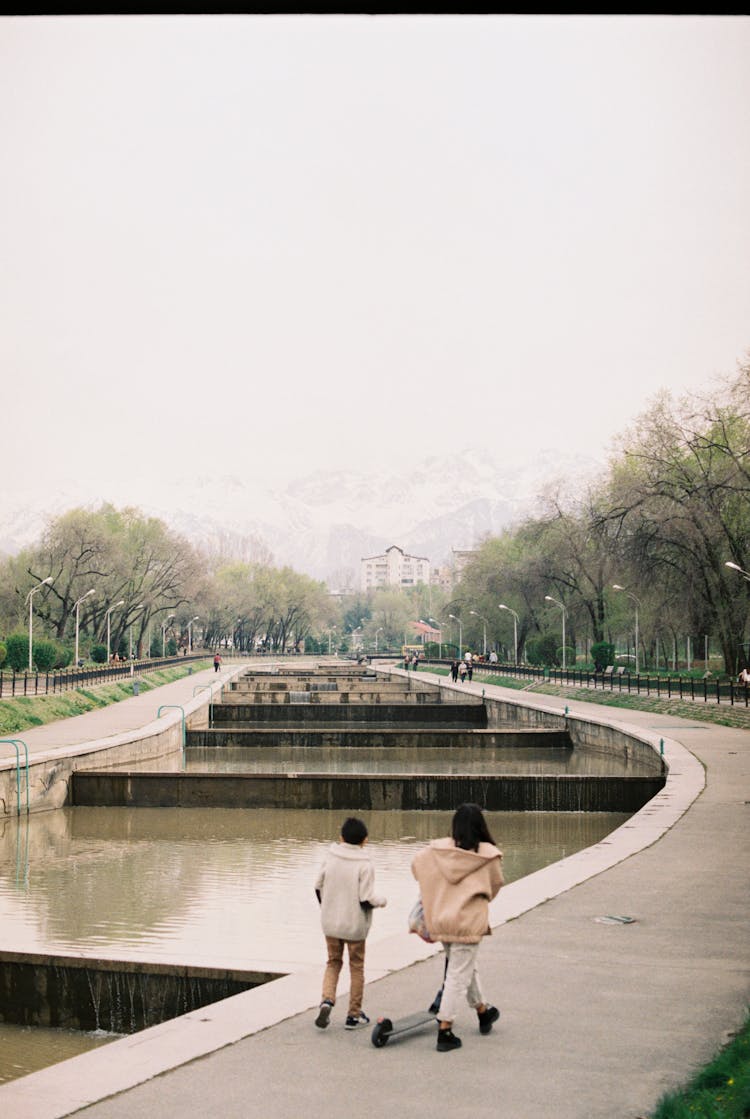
[[456, 887]]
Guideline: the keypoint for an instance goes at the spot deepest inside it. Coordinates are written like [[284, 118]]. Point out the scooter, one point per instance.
[[384, 1029]]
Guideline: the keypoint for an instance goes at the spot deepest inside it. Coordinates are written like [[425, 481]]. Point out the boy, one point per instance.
[[345, 887]]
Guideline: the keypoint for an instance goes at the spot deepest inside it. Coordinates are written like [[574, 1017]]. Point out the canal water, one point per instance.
[[214, 887]]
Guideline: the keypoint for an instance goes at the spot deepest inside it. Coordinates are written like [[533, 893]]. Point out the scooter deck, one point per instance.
[[385, 1029]]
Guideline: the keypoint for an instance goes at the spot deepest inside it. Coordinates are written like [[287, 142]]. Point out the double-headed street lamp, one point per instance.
[[77, 605], [502, 606], [29, 596], [617, 587], [440, 626], [484, 624], [736, 567], [109, 611], [460, 638], [549, 598]]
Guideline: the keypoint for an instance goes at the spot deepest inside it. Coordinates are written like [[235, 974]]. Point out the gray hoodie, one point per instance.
[[345, 880]]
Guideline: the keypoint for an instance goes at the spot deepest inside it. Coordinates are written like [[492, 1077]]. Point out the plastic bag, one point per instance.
[[417, 922]]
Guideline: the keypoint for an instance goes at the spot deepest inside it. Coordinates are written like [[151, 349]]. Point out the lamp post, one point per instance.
[[735, 567], [29, 596], [460, 630], [502, 606], [484, 624], [190, 632], [377, 631], [109, 611], [617, 587], [77, 605], [439, 624], [164, 626], [135, 611], [549, 598], [329, 639]]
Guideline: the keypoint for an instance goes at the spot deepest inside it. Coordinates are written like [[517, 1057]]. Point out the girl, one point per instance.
[[458, 877]]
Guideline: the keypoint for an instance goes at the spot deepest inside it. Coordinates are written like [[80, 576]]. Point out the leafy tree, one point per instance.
[[602, 654], [3, 653], [99, 654], [543, 650], [45, 655]]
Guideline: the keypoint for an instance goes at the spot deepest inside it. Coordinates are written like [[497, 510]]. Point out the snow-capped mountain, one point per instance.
[[325, 522]]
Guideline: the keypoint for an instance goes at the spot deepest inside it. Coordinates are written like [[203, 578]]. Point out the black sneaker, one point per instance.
[[446, 1040], [354, 1021], [324, 1014], [490, 1015]]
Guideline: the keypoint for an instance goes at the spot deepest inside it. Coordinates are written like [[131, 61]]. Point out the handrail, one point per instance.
[[165, 707], [202, 687], [14, 742]]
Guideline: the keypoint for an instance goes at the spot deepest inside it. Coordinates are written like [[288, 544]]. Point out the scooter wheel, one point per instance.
[[381, 1032]]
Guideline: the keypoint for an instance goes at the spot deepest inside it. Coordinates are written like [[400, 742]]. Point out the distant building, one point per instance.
[[394, 568], [460, 559]]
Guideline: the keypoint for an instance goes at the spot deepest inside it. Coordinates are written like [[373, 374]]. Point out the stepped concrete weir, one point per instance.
[[385, 714], [73, 992]]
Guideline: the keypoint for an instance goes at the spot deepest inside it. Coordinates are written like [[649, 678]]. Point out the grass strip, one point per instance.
[[22, 712], [721, 1090]]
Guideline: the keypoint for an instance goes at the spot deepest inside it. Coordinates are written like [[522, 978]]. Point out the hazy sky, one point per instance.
[[232, 243]]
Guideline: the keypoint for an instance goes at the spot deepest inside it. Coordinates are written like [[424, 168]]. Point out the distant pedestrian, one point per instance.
[[470, 668], [462, 670], [217, 663], [454, 671], [345, 888], [744, 677]]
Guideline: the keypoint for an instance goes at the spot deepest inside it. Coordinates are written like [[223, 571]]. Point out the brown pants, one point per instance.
[[356, 970]]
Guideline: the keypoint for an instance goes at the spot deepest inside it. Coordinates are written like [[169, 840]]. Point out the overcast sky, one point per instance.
[[232, 242]]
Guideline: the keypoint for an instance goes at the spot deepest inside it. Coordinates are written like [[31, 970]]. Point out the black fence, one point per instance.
[[26, 683], [623, 681]]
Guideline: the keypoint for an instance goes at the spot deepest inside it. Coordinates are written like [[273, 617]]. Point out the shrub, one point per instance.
[[542, 650], [3, 654], [570, 656], [602, 654], [64, 656], [44, 654], [17, 645], [171, 647], [99, 654]]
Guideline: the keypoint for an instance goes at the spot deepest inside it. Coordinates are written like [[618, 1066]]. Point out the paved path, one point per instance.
[[597, 1019]]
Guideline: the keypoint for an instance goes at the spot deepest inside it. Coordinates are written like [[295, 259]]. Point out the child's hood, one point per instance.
[[455, 864], [349, 851]]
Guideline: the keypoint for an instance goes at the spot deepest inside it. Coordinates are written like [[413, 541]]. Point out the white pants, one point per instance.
[[461, 980]]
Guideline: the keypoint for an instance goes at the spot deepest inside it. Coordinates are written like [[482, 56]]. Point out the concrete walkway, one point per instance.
[[598, 1019]]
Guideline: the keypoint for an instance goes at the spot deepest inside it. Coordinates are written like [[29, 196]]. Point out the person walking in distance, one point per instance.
[[458, 877], [345, 888]]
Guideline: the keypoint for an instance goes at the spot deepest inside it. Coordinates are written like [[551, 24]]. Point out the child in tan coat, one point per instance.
[[458, 878]]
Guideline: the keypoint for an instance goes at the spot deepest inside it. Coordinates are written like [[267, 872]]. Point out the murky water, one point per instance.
[[229, 887]]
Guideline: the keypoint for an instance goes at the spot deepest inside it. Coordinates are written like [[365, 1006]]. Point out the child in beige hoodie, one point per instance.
[[345, 887], [458, 878]]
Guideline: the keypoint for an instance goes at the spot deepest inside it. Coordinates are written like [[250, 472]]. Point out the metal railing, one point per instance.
[[661, 687], [36, 683]]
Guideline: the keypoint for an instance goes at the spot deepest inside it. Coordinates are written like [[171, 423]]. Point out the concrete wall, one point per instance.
[[116, 996]]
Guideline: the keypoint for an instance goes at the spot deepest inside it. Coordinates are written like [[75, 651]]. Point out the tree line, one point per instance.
[[660, 537]]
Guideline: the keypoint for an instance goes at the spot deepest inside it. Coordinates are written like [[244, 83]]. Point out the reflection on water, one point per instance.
[[24, 1049], [224, 887], [397, 759]]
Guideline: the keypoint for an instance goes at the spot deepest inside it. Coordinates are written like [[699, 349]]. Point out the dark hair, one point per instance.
[[469, 828], [354, 831]]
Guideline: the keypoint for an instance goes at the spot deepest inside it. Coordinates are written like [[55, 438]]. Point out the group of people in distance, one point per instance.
[[458, 877], [463, 669]]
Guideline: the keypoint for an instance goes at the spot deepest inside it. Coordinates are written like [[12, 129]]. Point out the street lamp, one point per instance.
[[460, 630], [77, 605], [549, 598], [439, 624], [377, 631], [484, 623], [502, 606], [617, 587], [135, 611], [190, 632], [164, 626], [109, 611], [28, 599], [736, 567]]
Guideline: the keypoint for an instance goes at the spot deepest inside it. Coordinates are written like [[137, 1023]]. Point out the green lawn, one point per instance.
[[23, 712]]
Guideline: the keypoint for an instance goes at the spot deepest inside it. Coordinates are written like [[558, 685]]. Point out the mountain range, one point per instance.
[[324, 522]]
